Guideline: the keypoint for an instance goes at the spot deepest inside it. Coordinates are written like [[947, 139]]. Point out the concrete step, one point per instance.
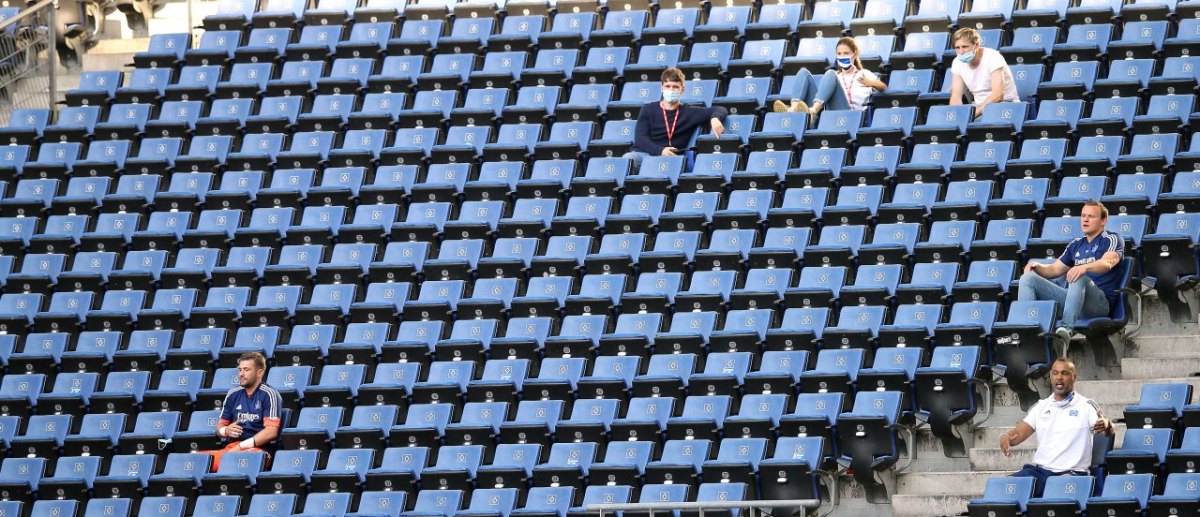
[[939, 493], [928, 505], [1156, 319], [1167, 347], [1124, 391], [993, 459], [943, 483], [1158, 367], [114, 54], [860, 507]]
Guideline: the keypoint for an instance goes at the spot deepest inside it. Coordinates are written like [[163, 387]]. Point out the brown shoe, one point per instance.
[[780, 107], [800, 107]]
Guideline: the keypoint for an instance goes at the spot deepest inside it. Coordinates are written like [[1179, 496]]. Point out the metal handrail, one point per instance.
[[702, 505], [43, 18], [27, 12]]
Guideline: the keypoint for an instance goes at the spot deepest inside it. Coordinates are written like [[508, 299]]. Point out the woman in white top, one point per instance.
[[981, 71], [847, 88]]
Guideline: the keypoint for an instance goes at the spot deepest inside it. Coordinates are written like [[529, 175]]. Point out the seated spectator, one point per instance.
[[981, 72], [250, 415], [664, 127], [1065, 423], [1089, 264], [849, 87]]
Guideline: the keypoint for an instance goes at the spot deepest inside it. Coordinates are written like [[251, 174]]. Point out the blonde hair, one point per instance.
[[1103, 209], [967, 34]]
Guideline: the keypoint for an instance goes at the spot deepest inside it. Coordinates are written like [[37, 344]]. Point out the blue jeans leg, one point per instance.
[[1081, 299], [635, 160], [804, 87], [1084, 300], [1034, 288], [830, 93]]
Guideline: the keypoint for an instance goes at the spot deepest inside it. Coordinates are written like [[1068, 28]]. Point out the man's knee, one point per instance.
[[1082, 282], [1029, 279]]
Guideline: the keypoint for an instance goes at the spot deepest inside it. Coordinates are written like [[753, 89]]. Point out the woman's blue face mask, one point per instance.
[[671, 96], [844, 62]]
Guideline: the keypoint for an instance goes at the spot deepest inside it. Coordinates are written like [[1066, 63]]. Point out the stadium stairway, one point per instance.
[[1161, 351], [117, 45]]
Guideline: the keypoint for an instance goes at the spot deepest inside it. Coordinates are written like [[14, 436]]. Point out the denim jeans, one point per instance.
[[635, 160], [827, 91], [1080, 299]]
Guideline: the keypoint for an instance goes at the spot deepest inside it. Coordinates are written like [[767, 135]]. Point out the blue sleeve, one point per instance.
[[717, 112], [274, 410], [1116, 244], [227, 408]]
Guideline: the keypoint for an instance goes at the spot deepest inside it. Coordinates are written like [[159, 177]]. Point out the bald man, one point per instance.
[[1065, 423]]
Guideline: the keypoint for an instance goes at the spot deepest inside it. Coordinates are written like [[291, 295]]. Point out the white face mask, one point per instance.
[[844, 62]]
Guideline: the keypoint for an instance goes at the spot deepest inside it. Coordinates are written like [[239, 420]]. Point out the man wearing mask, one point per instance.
[[981, 71], [849, 87], [665, 127]]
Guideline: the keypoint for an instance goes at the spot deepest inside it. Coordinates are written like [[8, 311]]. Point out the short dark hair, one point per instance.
[[1070, 364], [260, 361], [1103, 209], [672, 75]]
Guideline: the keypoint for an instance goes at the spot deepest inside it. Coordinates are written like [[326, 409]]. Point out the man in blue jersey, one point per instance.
[[1089, 264], [250, 415]]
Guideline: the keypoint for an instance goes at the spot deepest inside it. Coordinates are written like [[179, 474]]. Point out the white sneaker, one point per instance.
[[1064, 334]]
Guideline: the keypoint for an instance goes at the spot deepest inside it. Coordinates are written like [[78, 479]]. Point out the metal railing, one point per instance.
[[28, 60], [753, 508]]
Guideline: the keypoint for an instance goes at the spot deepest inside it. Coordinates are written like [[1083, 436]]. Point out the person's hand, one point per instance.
[[1076, 273], [233, 431], [1032, 266], [1103, 425], [718, 127], [1006, 444], [978, 111], [669, 151], [862, 79]]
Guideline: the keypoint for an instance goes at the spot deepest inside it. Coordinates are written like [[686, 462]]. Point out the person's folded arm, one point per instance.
[[956, 90], [1106, 263], [718, 112], [875, 83]]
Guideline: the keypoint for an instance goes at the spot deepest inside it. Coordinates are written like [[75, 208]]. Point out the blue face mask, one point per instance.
[[966, 58], [671, 96], [844, 62]]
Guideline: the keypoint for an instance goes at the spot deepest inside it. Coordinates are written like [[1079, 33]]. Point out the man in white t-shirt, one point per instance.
[[1065, 423], [981, 71]]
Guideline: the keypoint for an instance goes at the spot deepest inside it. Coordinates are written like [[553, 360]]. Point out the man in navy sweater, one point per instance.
[[665, 127]]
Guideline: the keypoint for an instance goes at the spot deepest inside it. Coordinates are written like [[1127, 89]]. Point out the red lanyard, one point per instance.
[[671, 125], [846, 86]]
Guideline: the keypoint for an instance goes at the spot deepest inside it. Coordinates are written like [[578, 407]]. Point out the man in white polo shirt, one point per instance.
[[1064, 422]]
